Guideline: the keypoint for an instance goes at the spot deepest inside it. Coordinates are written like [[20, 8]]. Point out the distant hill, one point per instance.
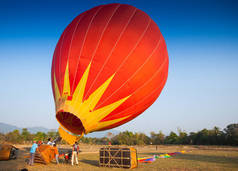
[[39, 129], [102, 133], [5, 128]]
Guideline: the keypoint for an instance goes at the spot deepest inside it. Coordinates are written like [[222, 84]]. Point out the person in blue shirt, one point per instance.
[[32, 153]]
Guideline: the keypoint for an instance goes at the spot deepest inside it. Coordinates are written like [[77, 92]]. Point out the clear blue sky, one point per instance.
[[202, 41]]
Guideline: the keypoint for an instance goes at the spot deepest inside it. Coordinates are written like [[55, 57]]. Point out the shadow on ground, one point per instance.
[[151, 154], [208, 158], [15, 164], [91, 162]]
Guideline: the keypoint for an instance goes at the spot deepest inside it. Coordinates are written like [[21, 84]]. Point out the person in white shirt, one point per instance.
[[50, 142], [75, 151]]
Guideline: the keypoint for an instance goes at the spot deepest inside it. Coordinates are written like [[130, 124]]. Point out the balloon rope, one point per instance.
[[80, 136]]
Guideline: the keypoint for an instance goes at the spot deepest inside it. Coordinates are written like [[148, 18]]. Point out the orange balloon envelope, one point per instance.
[[109, 65]]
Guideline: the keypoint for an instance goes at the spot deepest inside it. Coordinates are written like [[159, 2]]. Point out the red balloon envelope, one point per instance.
[[109, 65]]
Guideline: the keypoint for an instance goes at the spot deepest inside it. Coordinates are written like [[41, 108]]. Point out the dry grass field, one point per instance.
[[195, 158]]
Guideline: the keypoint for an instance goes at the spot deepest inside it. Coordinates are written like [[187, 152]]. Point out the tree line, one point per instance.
[[215, 136], [25, 137]]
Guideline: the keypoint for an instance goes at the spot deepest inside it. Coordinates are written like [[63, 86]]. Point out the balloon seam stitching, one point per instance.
[[125, 60], [99, 41], [85, 36], [72, 40], [118, 39], [141, 100]]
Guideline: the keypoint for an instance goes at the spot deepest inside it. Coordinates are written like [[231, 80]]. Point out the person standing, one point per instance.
[[50, 141], [32, 153], [75, 151], [56, 153]]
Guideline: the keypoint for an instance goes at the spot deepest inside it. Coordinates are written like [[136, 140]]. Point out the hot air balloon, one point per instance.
[[109, 65]]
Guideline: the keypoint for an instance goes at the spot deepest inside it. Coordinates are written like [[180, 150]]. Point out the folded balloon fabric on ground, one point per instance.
[[154, 157]]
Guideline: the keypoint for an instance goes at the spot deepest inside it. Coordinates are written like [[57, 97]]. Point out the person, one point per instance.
[[68, 156], [32, 153], [50, 141], [39, 143], [75, 151], [56, 153]]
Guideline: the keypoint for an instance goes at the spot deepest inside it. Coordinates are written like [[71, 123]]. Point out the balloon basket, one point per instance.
[[119, 157]]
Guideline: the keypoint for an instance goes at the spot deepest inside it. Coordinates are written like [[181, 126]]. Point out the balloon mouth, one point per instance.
[[70, 122]]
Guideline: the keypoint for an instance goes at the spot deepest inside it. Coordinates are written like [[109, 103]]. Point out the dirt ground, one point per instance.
[[195, 158]]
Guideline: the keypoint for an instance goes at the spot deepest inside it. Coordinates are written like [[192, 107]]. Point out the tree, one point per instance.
[[2, 138], [14, 137], [157, 139], [192, 138], [26, 135], [202, 137], [215, 136], [182, 137], [172, 138], [52, 134], [40, 136], [141, 139], [232, 134], [126, 138]]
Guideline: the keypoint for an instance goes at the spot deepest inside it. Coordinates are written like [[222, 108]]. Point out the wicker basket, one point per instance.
[[120, 157]]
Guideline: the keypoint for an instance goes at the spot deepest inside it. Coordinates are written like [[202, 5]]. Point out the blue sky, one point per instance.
[[202, 41]]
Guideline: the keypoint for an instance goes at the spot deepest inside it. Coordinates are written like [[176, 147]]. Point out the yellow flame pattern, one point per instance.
[[85, 110]]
